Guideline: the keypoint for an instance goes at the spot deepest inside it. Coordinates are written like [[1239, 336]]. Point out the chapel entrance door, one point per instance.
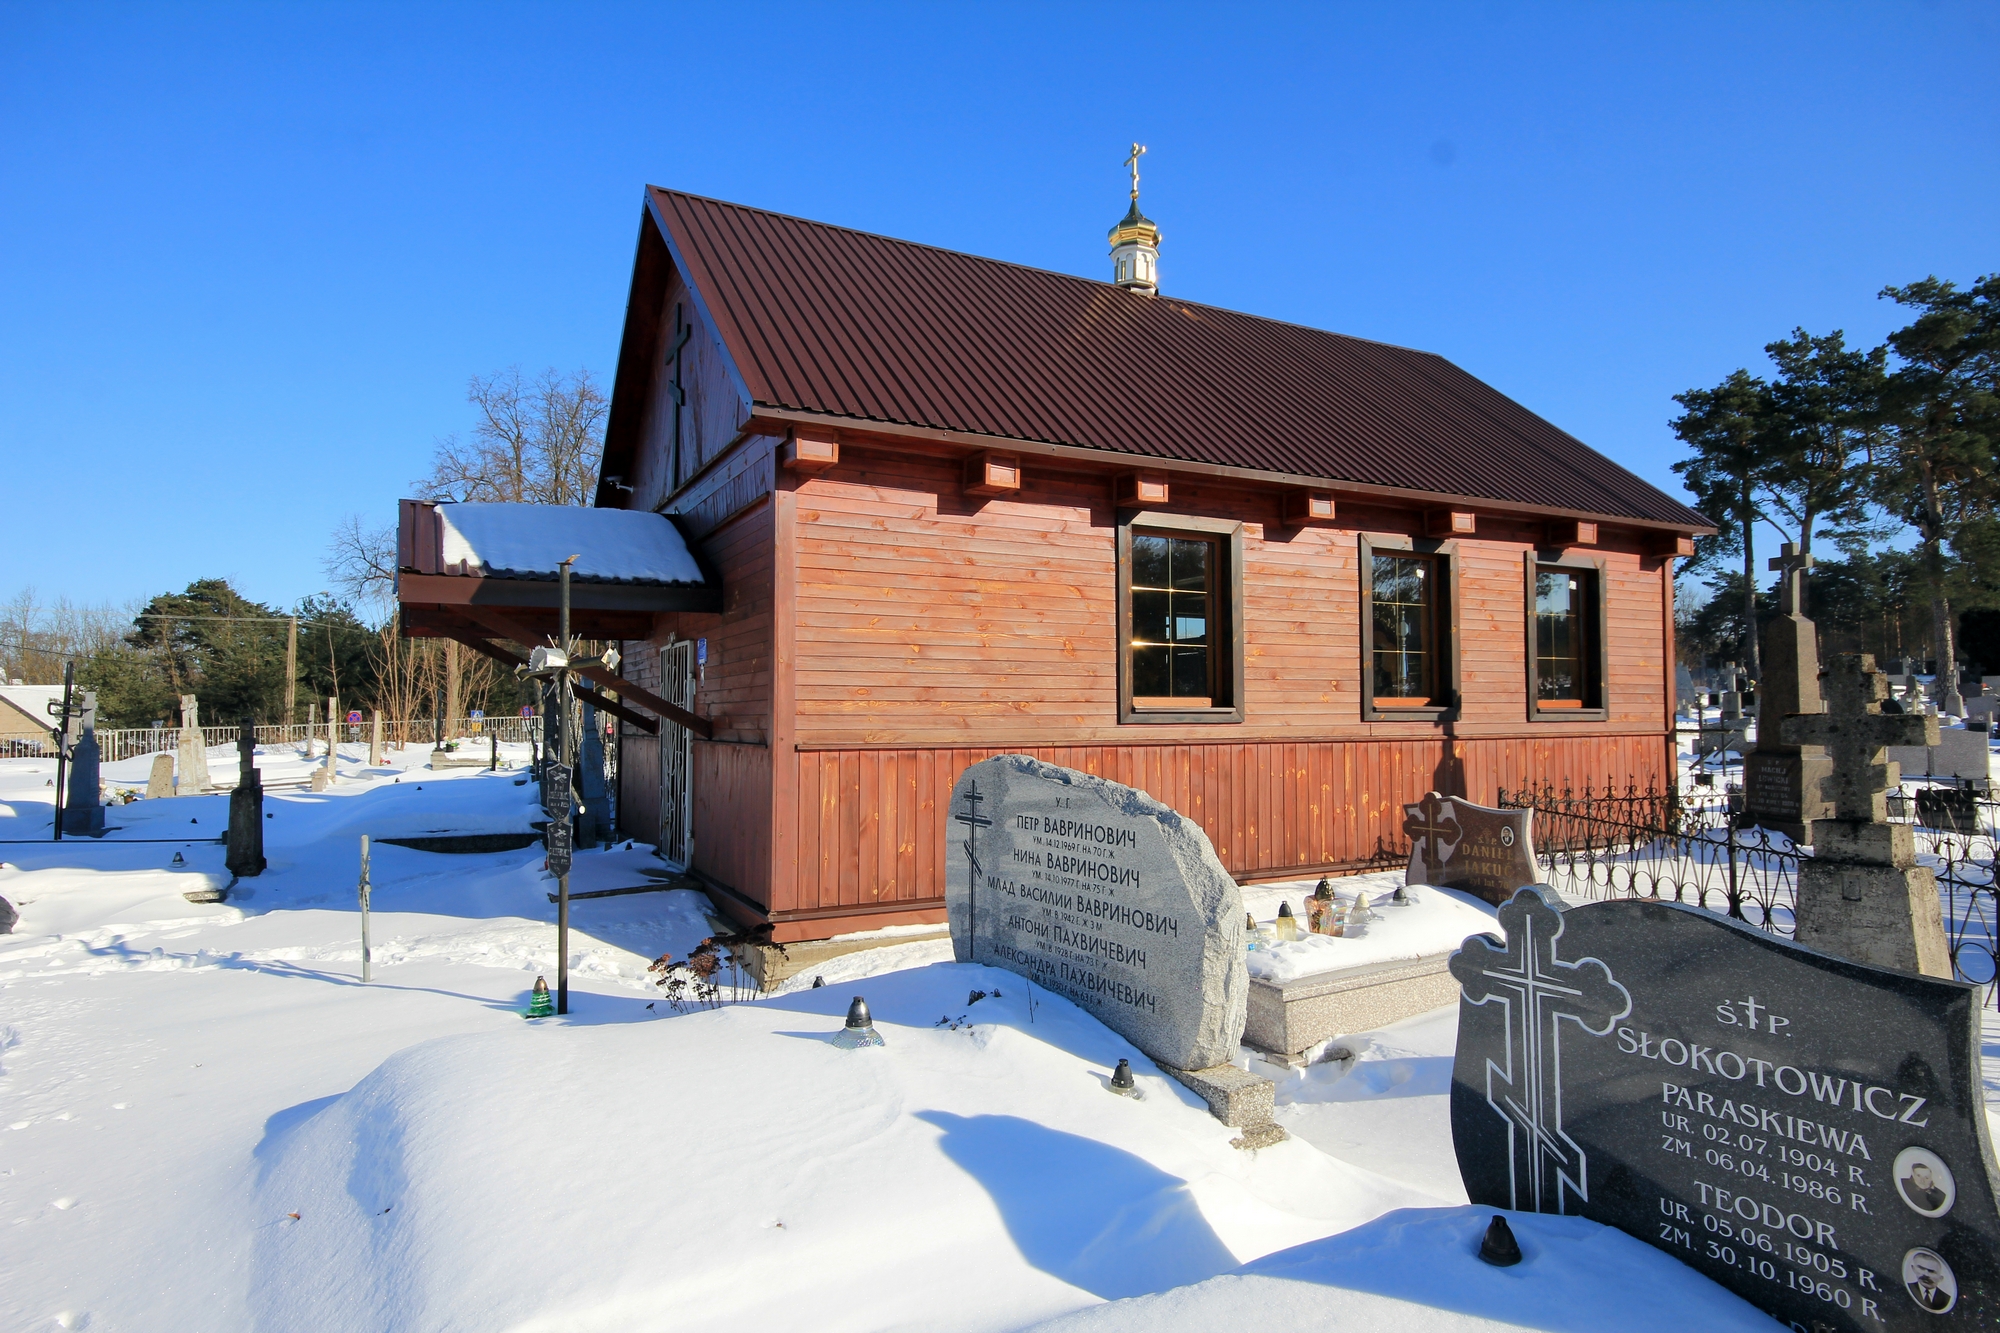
[[677, 757]]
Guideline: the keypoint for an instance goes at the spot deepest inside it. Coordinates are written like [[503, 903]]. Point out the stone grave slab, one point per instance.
[[1458, 845], [1807, 1131], [1959, 753], [1100, 893], [160, 782]]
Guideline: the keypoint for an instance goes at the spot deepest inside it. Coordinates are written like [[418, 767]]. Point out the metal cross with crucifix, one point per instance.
[[676, 395], [1138, 151], [1537, 990], [974, 821], [1792, 565], [1855, 732], [1427, 822]]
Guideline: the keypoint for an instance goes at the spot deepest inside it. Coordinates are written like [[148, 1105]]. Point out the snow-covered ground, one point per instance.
[[208, 1122]]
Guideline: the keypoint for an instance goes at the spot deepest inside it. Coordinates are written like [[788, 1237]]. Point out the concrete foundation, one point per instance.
[[770, 964], [1238, 1099], [1289, 1018]]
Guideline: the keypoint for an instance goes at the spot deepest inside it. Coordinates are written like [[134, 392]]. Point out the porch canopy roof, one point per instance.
[[489, 574]]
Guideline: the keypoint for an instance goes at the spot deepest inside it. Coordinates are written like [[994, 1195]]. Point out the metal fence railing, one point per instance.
[[1659, 845]]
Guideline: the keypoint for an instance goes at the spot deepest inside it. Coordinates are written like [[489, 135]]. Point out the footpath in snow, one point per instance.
[[208, 1122]]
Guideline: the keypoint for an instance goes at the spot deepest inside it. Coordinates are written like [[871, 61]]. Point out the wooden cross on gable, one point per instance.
[[676, 396], [1536, 990], [1855, 732], [1791, 587]]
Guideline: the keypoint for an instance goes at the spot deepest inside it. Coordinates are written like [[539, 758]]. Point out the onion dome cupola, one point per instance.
[[1135, 242]]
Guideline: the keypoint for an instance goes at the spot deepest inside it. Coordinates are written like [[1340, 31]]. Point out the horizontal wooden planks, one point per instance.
[[921, 614], [871, 829]]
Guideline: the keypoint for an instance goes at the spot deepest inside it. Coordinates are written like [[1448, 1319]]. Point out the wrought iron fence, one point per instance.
[[1659, 845]]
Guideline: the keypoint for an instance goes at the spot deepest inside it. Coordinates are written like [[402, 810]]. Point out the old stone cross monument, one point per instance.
[[1862, 894], [1783, 782]]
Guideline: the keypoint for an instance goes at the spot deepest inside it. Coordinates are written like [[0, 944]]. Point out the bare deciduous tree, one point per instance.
[[535, 442], [361, 563]]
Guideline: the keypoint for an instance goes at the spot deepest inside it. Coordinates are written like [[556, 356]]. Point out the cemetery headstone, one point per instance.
[[83, 798], [193, 764], [1783, 782], [160, 782], [8, 916], [312, 727], [1103, 895], [1455, 844], [375, 739], [1808, 1132], [1862, 894], [1951, 809], [245, 839]]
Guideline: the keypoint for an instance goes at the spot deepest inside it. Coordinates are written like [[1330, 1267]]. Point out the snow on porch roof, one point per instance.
[[526, 541]]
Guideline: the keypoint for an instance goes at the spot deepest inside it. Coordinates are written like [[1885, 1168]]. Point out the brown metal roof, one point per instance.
[[823, 319]]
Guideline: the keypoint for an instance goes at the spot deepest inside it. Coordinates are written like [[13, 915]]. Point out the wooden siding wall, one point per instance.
[[715, 409], [729, 513], [872, 828], [934, 630]]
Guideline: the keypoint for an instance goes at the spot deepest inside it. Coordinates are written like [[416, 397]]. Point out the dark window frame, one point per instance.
[[1444, 556], [1597, 654], [1226, 609]]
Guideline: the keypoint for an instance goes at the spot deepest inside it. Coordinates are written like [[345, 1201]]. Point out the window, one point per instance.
[[1405, 600], [1173, 586], [1565, 641], [1178, 589], [1409, 628]]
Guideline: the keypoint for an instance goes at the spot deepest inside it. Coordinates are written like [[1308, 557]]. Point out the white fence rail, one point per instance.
[[134, 742]]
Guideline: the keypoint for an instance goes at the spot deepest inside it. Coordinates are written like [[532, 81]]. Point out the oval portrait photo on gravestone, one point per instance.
[[1928, 1279], [1925, 1182]]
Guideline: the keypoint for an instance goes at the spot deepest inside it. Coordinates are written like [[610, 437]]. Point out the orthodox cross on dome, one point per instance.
[[1791, 587], [1132, 161], [1855, 732], [1537, 991]]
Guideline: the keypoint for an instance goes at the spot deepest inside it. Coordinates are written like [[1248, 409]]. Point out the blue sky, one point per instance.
[[250, 255]]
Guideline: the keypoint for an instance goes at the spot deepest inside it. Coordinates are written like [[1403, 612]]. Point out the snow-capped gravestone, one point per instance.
[[1807, 1131], [1103, 895], [1455, 844]]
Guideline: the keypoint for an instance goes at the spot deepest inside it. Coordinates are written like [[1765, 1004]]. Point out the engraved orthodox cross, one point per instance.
[[1855, 730], [1428, 822], [1791, 587], [676, 397], [973, 821], [1536, 991]]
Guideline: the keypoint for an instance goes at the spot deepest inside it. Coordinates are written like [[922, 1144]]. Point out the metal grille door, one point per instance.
[[677, 757]]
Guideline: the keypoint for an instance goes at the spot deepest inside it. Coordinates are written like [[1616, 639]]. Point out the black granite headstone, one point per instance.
[[1806, 1131], [1951, 809]]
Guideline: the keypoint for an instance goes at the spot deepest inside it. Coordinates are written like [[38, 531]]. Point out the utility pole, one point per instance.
[[291, 665]]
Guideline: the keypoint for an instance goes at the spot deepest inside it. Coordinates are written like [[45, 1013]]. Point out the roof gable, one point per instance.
[[823, 319]]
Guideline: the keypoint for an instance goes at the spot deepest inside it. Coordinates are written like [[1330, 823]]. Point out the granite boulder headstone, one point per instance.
[[1807, 1131], [1103, 895], [1455, 844], [160, 782]]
